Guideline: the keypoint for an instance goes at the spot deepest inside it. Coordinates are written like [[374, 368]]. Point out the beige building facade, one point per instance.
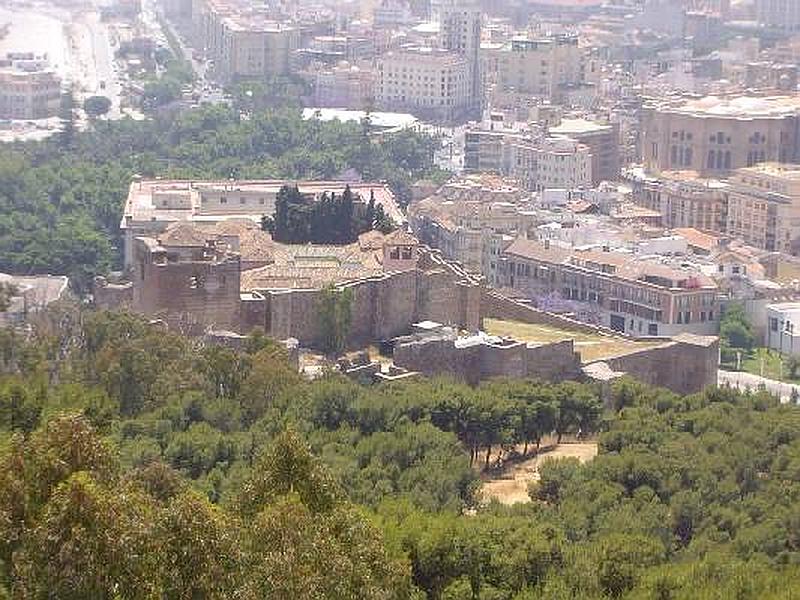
[[28, 94], [430, 83], [540, 67], [764, 207], [682, 198], [714, 136]]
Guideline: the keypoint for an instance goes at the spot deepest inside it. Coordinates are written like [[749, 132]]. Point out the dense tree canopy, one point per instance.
[[135, 462], [61, 200]]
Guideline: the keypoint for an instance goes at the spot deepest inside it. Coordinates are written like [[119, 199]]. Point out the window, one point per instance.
[[773, 324], [652, 329], [223, 200], [394, 253]]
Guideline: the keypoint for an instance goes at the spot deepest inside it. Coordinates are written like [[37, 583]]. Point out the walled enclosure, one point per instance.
[[476, 362], [383, 306]]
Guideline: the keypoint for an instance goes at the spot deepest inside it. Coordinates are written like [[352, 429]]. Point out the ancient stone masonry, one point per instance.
[[686, 364], [193, 277], [383, 306], [479, 357], [202, 286]]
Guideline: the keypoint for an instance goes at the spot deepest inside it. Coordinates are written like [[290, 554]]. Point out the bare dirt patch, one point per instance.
[[511, 486]]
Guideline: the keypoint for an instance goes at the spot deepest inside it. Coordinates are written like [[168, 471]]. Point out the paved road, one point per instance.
[[749, 381]]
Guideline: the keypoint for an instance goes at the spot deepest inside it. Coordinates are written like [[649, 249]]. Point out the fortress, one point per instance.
[[228, 274]]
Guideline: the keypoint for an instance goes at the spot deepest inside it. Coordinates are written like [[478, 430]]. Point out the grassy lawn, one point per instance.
[[788, 271], [590, 346], [773, 365]]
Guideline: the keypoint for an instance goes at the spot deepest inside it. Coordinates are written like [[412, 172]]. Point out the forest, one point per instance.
[[61, 199], [137, 463]]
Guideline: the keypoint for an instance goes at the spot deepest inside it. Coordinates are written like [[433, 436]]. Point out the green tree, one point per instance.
[[792, 364], [335, 314], [96, 106], [735, 328]]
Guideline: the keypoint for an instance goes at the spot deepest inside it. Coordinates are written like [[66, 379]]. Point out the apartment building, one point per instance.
[[779, 14], [535, 161], [683, 198], [541, 67], [562, 163], [430, 83], [344, 85], [620, 291], [28, 89], [603, 141], [714, 136], [243, 41], [460, 32], [254, 48], [764, 207]]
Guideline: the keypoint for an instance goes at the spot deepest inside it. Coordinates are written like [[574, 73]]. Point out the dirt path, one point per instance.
[[511, 486]]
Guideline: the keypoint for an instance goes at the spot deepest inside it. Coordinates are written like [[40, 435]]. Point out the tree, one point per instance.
[[335, 314], [202, 549], [735, 328], [7, 292], [96, 106], [792, 363], [90, 543], [67, 117]]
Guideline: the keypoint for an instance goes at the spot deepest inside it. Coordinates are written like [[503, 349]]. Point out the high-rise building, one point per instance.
[[781, 14], [430, 83], [460, 32], [539, 67]]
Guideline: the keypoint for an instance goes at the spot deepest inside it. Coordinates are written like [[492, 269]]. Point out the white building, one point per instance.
[[430, 83], [563, 163], [537, 163], [781, 14], [783, 327]]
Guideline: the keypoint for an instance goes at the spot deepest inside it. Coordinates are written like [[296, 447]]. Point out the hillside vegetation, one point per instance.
[[139, 464]]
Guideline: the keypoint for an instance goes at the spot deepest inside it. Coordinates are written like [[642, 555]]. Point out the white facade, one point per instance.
[[563, 163], [783, 327], [426, 82], [536, 163], [781, 14]]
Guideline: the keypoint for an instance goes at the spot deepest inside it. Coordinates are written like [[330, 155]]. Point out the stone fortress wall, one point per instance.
[[383, 306], [479, 361]]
